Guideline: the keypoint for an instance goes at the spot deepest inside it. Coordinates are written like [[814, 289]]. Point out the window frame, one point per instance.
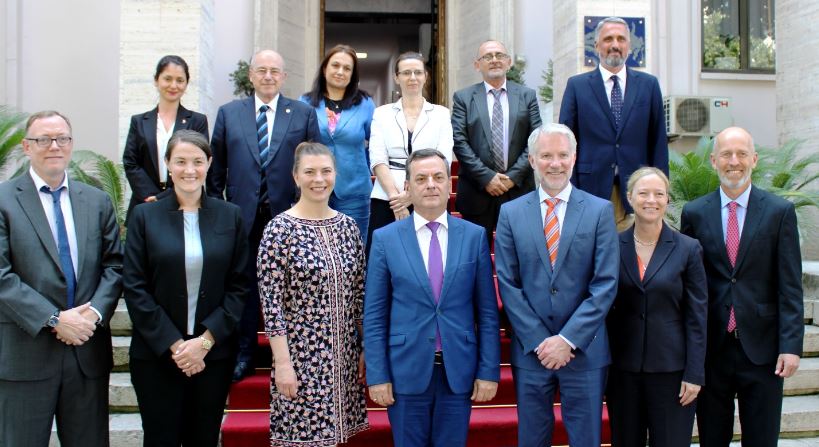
[[744, 42]]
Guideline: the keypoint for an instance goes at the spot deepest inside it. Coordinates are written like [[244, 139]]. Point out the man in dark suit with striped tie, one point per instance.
[[253, 144]]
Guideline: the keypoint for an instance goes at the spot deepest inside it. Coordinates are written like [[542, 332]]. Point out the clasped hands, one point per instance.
[[189, 356], [499, 184], [399, 204], [554, 353], [482, 391], [77, 325]]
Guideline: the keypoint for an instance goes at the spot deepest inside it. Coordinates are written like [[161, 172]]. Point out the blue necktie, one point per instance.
[[63, 248], [261, 133], [616, 100]]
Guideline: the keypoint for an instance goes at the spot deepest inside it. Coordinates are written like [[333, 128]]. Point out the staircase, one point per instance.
[[494, 424]]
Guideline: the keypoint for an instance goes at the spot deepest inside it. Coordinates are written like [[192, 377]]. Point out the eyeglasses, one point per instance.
[[408, 73], [489, 56], [45, 142], [261, 71]]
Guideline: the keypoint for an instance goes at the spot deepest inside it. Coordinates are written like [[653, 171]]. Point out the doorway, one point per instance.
[[379, 32]]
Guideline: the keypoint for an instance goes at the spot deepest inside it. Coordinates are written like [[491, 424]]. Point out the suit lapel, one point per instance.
[[572, 219], [280, 125], [628, 256], [753, 215], [183, 119], [599, 90], [149, 130], [423, 119], [29, 200], [248, 123], [479, 99], [401, 122], [665, 246], [713, 215], [513, 97], [534, 221], [79, 209], [346, 116], [410, 242], [453, 254], [633, 80]]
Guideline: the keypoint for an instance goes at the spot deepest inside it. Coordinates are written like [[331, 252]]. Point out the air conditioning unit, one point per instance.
[[697, 115]]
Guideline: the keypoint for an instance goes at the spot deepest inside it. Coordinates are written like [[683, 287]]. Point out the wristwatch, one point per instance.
[[206, 344], [54, 319]]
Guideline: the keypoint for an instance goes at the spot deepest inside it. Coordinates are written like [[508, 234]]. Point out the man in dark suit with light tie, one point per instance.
[[616, 114], [556, 255], [253, 144], [754, 269], [490, 123], [430, 315], [60, 267]]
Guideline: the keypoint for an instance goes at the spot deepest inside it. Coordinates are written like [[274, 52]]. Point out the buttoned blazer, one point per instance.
[[658, 324], [139, 158], [765, 285], [472, 134], [400, 313], [236, 170], [154, 280], [32, 285], [389, 139], [640, 141], [574, 298]]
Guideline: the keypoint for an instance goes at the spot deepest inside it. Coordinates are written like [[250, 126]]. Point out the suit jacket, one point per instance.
[[400, 314], [657, 324], [472, 132], [388, 139], [601, 147], [32, 285], [348, 144], [154, 280], [572, 300], [140, 155], [236, 169], [765, 285]]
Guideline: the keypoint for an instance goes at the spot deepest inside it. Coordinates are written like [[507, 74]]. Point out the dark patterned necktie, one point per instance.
[[616, 100], [497, 131]]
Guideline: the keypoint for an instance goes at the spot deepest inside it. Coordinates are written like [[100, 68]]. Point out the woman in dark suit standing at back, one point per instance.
[[184, 287], [150, 131], [656, 324]]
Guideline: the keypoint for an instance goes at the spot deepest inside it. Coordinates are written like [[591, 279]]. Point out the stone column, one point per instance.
[[150, 29]]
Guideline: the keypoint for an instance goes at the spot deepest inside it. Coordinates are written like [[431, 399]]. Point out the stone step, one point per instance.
[[125, 431], [800, 417], [806, 379], [121, 395], [810, 346], [121, 321], [801, 442], [120, 347]]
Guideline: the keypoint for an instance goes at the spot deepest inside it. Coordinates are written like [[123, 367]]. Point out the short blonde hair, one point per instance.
[[645, 171]]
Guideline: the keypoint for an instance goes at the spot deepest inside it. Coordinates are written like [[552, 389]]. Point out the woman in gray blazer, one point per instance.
[[397, 129]]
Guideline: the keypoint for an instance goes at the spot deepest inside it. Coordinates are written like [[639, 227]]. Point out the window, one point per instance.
[[738, 36]]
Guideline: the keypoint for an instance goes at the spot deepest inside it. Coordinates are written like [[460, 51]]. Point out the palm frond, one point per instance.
[[12, 132], [98, 171]]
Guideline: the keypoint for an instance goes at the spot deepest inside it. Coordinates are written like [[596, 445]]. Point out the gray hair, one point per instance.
[[616, 20], [548, 129]]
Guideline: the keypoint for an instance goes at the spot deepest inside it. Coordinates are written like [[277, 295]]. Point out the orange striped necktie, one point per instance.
[[551, 229]]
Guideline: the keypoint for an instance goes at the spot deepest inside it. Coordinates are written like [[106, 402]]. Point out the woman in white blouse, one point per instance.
[[150, 131], [411, 123]]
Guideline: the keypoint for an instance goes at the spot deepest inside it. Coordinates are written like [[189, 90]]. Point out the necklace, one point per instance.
[[644, 244], [332, 104]]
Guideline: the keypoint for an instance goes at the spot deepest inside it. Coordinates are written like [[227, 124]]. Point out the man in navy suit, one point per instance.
[[556, 255], [431, 339], [253, 144], [754, 269], [617, 116]]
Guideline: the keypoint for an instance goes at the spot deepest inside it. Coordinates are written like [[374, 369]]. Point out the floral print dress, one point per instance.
[[311, 280]]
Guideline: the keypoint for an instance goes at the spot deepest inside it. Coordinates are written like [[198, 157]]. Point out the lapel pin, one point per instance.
[[184, 121], [286, 110]]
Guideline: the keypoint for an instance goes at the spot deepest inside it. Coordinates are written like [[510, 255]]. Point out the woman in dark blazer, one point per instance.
[[656, 325], [149, 133], [184, 288]]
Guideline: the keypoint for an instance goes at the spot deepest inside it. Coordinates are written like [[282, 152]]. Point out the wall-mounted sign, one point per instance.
[[637, 27]]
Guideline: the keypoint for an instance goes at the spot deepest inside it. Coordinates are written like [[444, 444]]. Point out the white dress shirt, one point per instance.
[[742, 210], [609, 84], [490, 103], [194, 260], [162, 137], [271, 112], [424, 235], [560, 209]]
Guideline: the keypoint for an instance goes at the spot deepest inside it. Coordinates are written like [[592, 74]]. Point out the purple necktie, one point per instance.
[[436, 271]]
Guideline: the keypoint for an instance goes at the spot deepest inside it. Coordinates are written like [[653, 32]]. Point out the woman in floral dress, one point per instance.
[[311, 280]]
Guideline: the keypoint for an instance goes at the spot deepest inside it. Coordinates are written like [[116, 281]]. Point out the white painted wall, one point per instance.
[[533, 38], [233, 38], [69, 61]]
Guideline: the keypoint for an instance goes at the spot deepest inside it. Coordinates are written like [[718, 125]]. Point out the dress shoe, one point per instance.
[[241, 370]]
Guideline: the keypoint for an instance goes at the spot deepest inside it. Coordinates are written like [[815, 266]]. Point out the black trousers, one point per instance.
[[179, 410], [249, 323], [643, 404], [728, 374], [381, 215], [489, 218]]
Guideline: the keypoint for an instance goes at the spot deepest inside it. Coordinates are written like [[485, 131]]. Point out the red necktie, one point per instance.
[[732, 246], [552, 230]]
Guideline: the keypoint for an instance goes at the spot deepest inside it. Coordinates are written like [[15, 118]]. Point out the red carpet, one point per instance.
[[491, 425]]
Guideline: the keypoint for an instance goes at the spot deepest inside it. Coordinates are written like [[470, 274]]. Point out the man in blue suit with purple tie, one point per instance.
[[431, 339], [253, 143], [557, 275]]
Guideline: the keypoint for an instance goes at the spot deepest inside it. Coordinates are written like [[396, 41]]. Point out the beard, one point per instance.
[[734, 184], [552, 184], [613, 59]]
